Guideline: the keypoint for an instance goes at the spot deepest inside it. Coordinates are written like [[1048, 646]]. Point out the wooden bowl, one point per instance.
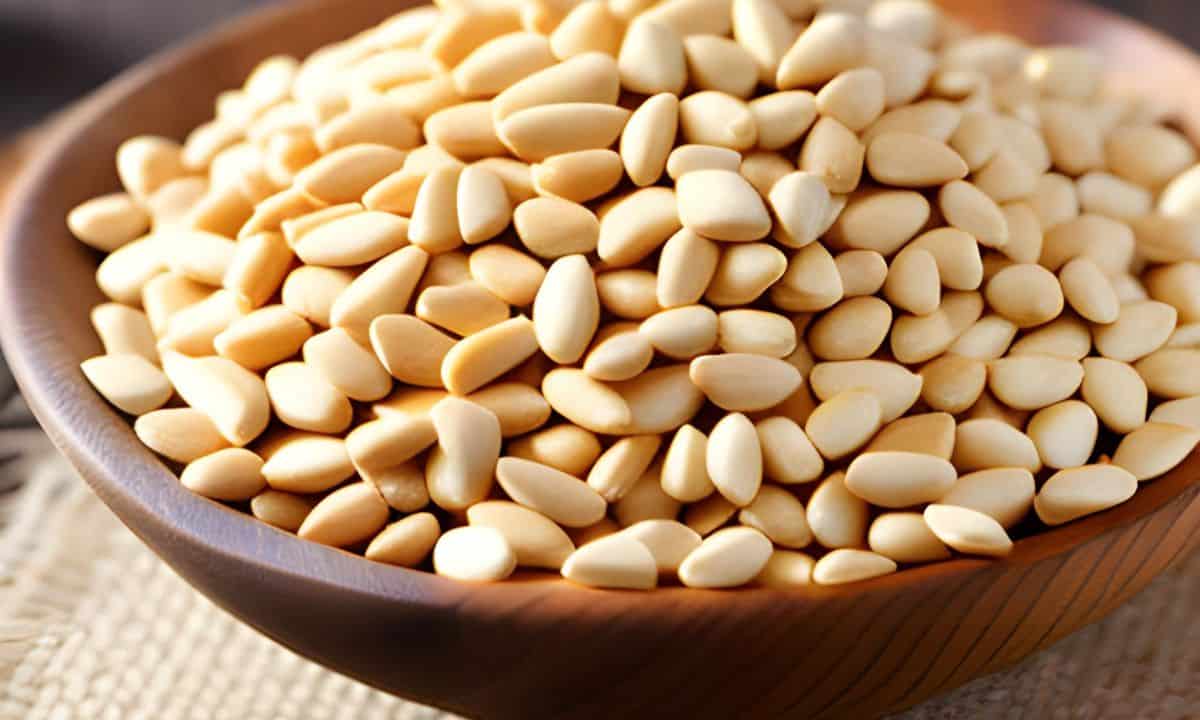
[[544, 648]]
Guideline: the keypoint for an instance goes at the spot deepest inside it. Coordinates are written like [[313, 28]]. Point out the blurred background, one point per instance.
[[53, 51]]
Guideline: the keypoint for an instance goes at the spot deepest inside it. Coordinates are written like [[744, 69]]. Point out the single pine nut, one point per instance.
[[967, 208], [305, 463], [402, 486], [929, 433], [756, 332], [411, 350], [509, 274], [686, 265], [588, 78], [384, 288], [977, 140], [1028, 295], [124, 331], [846, 565], [564, 447], [855, 98], [582, 175], [1116, 392], [682, 333], [728, 558], [684, 474], [917, 339], [1184, 412], [501, 62], [634, 225], [802, 206], [811, 282], [1149, 155], [588, 27], [1024, 233], [715, 118], [957, 255], [913, 282], [193, 329], [833, 153], [540, 132], [660, 400], [778, 515], [687, 158], [645, 501], [733, 459], [620, 467], [692, 17], [863, 272], [389, 442], [831, 44], [302, 398], [557, 495], [263, 338], [552, 227], [566, 310], [935, 119], [310, 292], [881, 220], [1067, 337], [987, 339], [622, 355], [1109, 243], [1106, 194], [746, 271], [535, 540], [744, 383], [1064, 433], [233, 397], [406, 542], [1170, 372], [1154, 449], [651, 59], [899, 479], [764, 30], [1073, 493], [986, 443], [130, 382], [108, 222], [1004, 494], [844, 423], [708, 515], [1088, 291], [912, 160], [852, 330], [145, 163], [232, 474], [475, 554], [590, 404], [721, 64], [1031, 382], [895, 386], [669, 542], [179, 434], [1140, 329], [617, 561], [968, 531], [952, 383], [1178, 285], [905, 537]]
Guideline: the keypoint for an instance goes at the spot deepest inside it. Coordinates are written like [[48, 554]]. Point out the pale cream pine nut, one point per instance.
[[715, 118], [646, 500], [788, 455], [1065, 72], [928, 433], [129, 381], [465, 131], [145, 163], [280, 509], [1106, 194], [1054, 201], [802, 205], [1109, 243], [669, 542], [1179, 198], [852, 330], [692, 17], [977, 140], [756, 332], [586, 402], [935, 119], [396, 193], [1028, 295], [563, 498], [1149, 155], [617, 561], [179, 434], [536, 541], [985, 443], [620, 467], [372, 75], [622, 355], [733, 459], [124, 331], [408, 402], [913, 283], [633, 226], [198, 255], [762, 169], [916, 339], [1024, 233], [831, 44], [552, 227], [1074, 493], [475, 554], [1004, 494], [463, 309], [1116, 392], [501, 62], [402, 486], [509, 274], [660, 400], [384, 288], [780, 516], [960, 266], [1031, 382], [1140, 329], [1066, 337], [263, 338], [1088, 291], [482, 203], [905, 537], [302, 398], [1170, 372], [648, 138], [896, 387], [967, 208], [459, 469], [1177, 284], [296, 228], [459, 32], [564, 447], [108, 222], [519, 407], [286, 155], [848, 565], [406, 542], [743, 382], [855, 98], [171, 203], [907, 69], [682, 333], [1075, 140], [222, 211], [235, 398], [258, 266], [579, 176], [346, 516], [378, 123], [686, 266], [718, 63], [810, 283], [1007, 178], [899, 479], [912, 160], [434, 225], [588, 27], [232, 474], [863, 272], [1184, 412], [917, 23], [1165, 239], [304, 462], [880, 220], [588, 78], [1064, 433], [516, 176], [765, 31], [968, 531], [566, 310], [164, 296], [311, 291], [547, 130], [374, 235], [728, 558], [1186, 335], [345, 174], [802, 358], [448, 268], [389, 442], [833, 153], [844, 423], [953, 383], [651, 59], [684, 474], [686, 158], [410, 349], [989, 408], [709, 514]]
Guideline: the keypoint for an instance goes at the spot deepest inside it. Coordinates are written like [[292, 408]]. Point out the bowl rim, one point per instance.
[[81, 424]]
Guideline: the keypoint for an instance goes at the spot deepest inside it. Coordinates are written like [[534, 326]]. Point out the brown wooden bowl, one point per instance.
[[544, 648]]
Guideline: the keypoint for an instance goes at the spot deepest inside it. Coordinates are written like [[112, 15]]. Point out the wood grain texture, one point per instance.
[[542, 648]]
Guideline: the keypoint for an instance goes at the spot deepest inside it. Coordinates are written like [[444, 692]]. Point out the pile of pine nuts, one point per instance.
[[767, 292]]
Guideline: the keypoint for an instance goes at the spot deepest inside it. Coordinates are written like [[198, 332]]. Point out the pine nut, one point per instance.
[[282, 510], [564, 447], [509, 274], [179, 434], [635, 225], [651, 59], [411, 350], [905, 537], [1154, 449], [686, 265], [1065, 337], [952, 383], [263, 338], [1105, 194], [310, 292], [686, 158], [802, 206], [844, 423], [935, 119], [588, 27], [1004, 494], [1028, 295], [402, 486], [1140, 329], [108, 222], [588, 78], [881, 220], [912, 160], [475, 554], [304, 462], [742, 382], [660, 400], [913, 283], [811, 282], [986, 443], [124, 331], [582, 175], [620, 467], [540, 132], [733, 459], [968, 531], [1031, 382], [764, 30], [746, 271], [1024, 233], [1170, 372], [619, 353], [779, 515], [535, 540], [618, 561], [831, 44], [708, 515], [833, 153], [977, 140], [899, 479], [146, 163], [646, 500], [715, 118], [555, 494], [957, 255], [1184, 412], [1116, 392], [852, 330], [130, 382], [728, 558], [406, 542], [1071, 494], [929, 433], [684, 473], [846, 565], [896, 387], [756, 332], [586, 402], [500, 63], [552, 227]]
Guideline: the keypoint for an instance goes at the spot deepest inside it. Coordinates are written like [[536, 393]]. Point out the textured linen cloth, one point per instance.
[[94, 627]]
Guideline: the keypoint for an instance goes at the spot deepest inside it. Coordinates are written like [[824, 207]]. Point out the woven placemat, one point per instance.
[[93, 626]]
